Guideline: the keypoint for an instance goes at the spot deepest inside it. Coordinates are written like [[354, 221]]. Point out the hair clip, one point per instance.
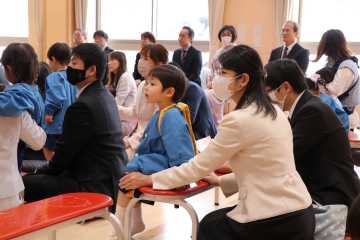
[[314, 77]]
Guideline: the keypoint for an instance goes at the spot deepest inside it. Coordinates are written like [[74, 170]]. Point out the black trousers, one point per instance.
[[41, 186], [299, 225]]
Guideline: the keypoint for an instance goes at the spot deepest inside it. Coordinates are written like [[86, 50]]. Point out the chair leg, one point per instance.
[[52, 235], [193, 216], [217, 196], [127, 226], [116, 224]]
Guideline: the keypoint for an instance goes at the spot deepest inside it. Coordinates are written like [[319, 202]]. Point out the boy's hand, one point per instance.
[[48, 119]]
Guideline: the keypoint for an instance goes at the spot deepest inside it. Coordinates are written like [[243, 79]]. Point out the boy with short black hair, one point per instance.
[[165, 144], [59, 95]]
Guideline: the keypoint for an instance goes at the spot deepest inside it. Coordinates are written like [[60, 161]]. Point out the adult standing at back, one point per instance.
[[188, 57], [79, 36], [101, 38], [291, 49], [227, 35], [146, 38], [345, 65]]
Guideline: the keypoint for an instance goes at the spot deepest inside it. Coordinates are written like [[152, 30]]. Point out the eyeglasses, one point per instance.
[[77, 35], [226, 35]]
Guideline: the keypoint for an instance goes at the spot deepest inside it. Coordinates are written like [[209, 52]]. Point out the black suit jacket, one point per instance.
[[192, 63], [91, 149], [322, 152], [298, 53], [202, 121]]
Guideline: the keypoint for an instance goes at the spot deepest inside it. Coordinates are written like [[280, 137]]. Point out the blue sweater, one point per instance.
[[172, 148], [337, 109], [22, 97], [60, 94]]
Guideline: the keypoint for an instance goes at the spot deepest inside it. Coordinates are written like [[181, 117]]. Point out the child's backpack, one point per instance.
[[186, 113]]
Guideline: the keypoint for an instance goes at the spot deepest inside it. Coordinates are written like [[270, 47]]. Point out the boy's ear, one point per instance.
[[170, 92], [92, 71], [9, 70]]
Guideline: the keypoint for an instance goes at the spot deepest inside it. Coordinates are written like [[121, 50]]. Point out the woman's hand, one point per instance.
[[135, 180], [209, 85], [212, 179], [127, 144]]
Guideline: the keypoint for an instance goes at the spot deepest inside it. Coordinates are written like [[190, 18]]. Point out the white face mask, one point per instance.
[[143, 67], [220, 86], [226, 41], [274, 98]]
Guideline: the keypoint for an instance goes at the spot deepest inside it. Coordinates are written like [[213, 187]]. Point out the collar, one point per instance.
[[290, 46], [81, 90], [294, 105], [186, 49]]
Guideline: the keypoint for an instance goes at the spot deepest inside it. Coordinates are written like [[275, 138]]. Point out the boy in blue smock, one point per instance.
[[163, 146], [60, 94]]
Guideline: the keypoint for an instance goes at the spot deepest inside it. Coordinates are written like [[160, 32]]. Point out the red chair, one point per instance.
[[176, 197], [48, 215]]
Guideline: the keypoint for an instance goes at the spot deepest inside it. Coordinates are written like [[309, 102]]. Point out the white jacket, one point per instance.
[[260, 152], [11, 130]]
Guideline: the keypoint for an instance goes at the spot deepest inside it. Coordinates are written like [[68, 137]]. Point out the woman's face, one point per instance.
[[144, 41], [235, 84], [145, 64], [226, 33], [113, 65]]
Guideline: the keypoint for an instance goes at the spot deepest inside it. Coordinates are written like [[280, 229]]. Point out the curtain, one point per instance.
[[80, 13], [285, 10], [36, 11], [216, 13]]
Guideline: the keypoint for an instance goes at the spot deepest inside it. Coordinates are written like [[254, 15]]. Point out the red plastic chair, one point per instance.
[[48, 215]]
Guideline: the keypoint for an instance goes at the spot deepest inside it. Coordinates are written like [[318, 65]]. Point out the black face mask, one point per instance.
[[74, 76]]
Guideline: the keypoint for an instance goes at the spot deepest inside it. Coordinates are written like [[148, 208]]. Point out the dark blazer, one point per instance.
[[91, 149], [192, 63], [322, 152], [298, 53], [202, 121]]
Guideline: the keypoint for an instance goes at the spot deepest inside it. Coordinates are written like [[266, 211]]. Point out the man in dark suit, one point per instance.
[[101, 38], [188, 57], [90, 154], [201, 119], [291, 49], [321, 145]]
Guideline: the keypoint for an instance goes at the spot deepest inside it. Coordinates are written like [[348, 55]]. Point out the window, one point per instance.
[[329, 14], [170, 21], [316, 17], [14, 18], [125, 20], [13, 30]]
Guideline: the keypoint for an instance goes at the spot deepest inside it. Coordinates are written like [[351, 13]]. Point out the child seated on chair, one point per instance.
[[323, 76], [165, 85]]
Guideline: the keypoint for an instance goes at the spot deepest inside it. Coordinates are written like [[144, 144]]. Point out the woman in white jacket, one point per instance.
[[256, 138], [11, 130]]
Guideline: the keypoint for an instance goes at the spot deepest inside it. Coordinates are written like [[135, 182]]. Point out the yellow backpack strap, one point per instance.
[[185, 111]]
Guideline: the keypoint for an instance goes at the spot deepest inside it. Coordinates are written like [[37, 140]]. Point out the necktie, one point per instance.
[[285, 53], [183, 54]]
